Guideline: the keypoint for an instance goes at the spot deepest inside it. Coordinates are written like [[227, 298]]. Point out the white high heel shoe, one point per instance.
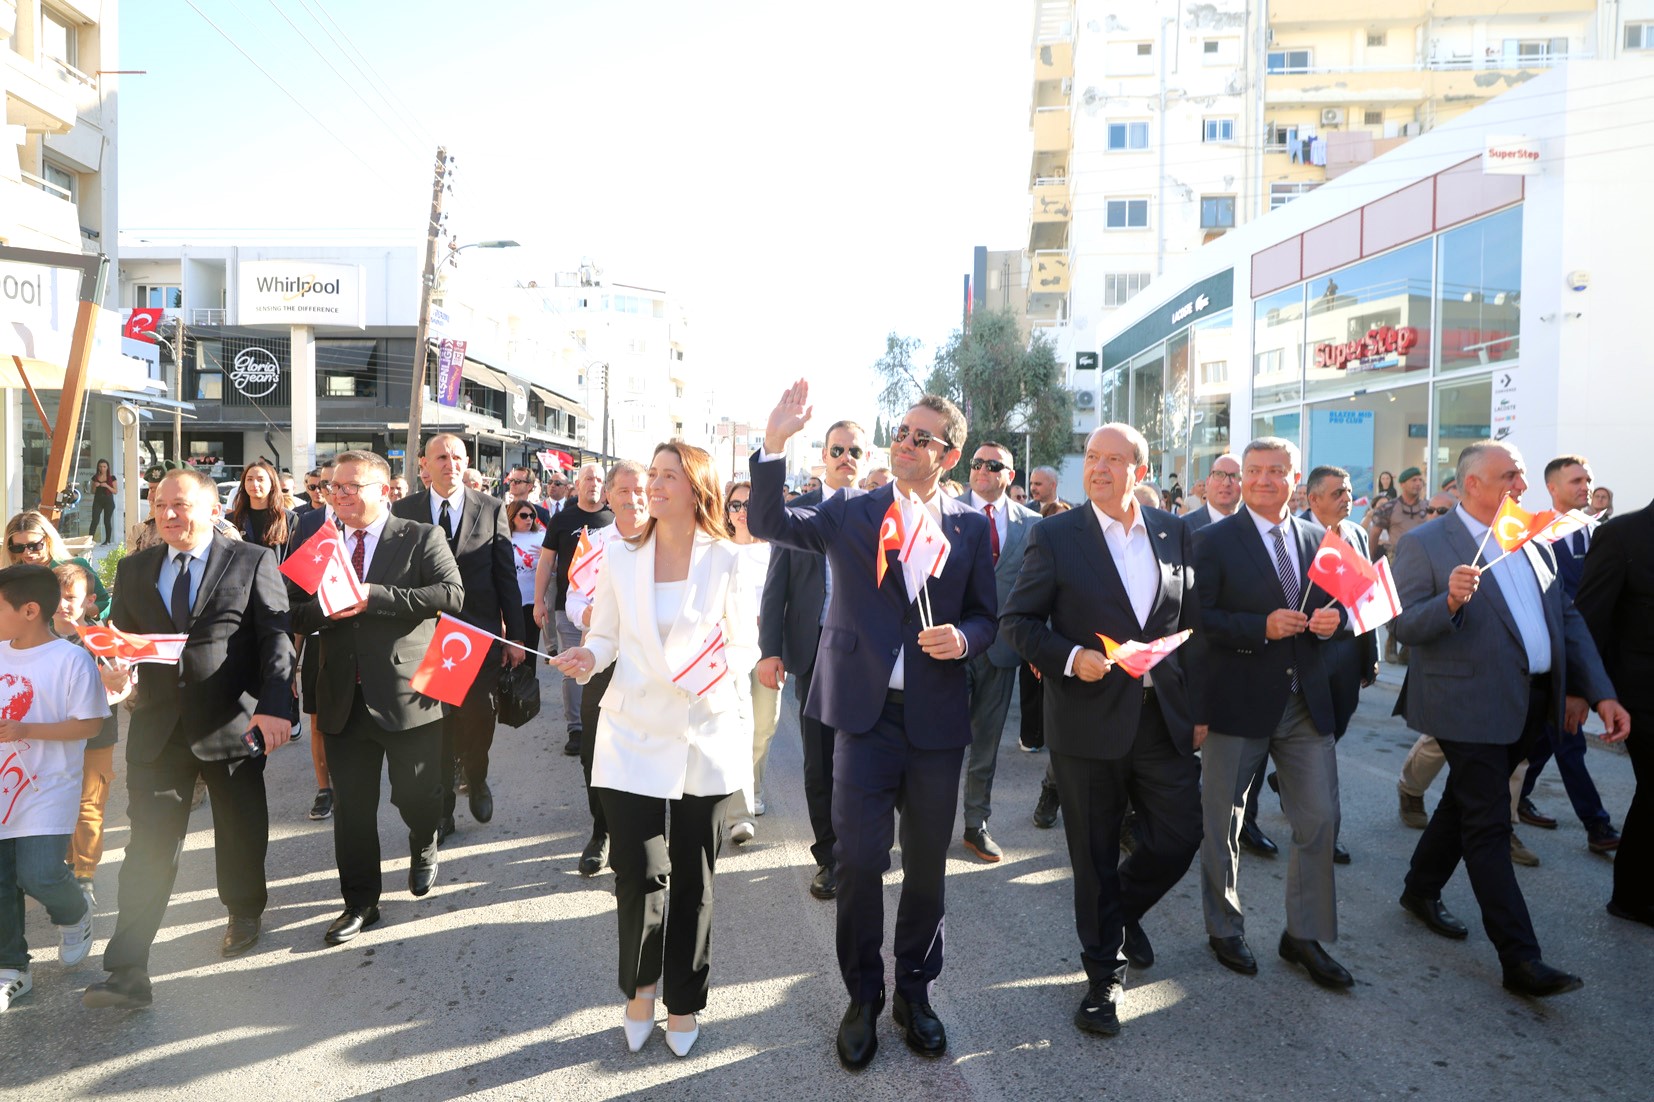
[[637, 1033], [681, 1043]]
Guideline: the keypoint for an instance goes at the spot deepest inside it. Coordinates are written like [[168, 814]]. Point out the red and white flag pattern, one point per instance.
[[452, 661], [339, 588], [586, 565], [925, 546], [1340, 570], [709, 666], [891, 531], [107, 641], [1138, 658], [1566, 525], [319, 565], [1380, 605]]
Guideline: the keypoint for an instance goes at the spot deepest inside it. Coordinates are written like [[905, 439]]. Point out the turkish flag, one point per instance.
[[451, 661], [111, 642], [709, 666], [585, 565], [1341, 570], [1514, 525], [1138, 658], [890, 537], [307, 565], [140, 324]]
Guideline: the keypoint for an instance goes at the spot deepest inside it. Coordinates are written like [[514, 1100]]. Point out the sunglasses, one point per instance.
[[921, 438], [839, 449], [26, 548], [1429, 512], [737, 506], [525, 516], [993, 465], [519, 482]]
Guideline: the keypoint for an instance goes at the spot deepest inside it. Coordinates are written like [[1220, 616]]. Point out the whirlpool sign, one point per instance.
[[300, 292]]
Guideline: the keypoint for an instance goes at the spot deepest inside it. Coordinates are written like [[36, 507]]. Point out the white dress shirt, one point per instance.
[[1000, 515], [1134, 561], [374, 531], [1520, 587], [456, 506]]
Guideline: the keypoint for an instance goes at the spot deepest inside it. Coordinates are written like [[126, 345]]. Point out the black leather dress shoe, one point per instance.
[[1098, 1012], [571, 748], [595, 855], [1645, 915], [925, 1034], [1139, 953], [1256, 841], [1536, 978], [1321, 967], [482, 801], [1529, 813], [351, 923], [1045, 811], [858, 1033], [825, 884], [240, 935], [1434, 915], [1340, 855], [445, 829], [125, 989], [1233, 954], [421, 875]]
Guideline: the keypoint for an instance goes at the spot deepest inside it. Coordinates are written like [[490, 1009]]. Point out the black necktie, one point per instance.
[[1579, 544], [181, 593], [446, 519]]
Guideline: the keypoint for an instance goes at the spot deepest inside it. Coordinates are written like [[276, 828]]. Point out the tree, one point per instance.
[[1011, 390]]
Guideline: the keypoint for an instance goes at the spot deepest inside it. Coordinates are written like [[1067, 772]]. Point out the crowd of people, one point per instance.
[[677, 609]]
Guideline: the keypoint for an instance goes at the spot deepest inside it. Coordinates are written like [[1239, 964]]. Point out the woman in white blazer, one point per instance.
[[671, 612]]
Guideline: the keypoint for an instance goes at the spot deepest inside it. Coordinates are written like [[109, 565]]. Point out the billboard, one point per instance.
[[300, 292]]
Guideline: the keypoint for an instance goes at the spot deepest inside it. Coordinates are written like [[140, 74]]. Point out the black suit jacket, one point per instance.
[[411, 579], [795, 593], [1248, 678], [1616, 597], [238, 660], [482, 551], [1068, 591]]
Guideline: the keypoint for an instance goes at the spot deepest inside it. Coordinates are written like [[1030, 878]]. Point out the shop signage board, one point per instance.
[[255, 372], [1382, 348], [1511, 155], [1503, 421], [1344, 438], [300, 292], [1210, 296], [450, 359]]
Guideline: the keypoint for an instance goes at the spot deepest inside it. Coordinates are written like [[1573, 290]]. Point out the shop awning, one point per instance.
[[557, 401], [44, 351], [487, 376]]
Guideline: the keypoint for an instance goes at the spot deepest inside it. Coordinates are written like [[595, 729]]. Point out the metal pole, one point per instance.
[[605, 413], [427, 284], [178, 391]]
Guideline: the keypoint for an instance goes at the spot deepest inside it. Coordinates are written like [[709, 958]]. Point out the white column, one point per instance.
[[302, 398]]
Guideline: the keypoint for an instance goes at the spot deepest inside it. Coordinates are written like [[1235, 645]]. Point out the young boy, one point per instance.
[[51, 702], [98, 773]]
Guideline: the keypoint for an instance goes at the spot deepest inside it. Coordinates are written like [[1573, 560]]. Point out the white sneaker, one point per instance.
[[742, 832], [14, 985], [75, 941]]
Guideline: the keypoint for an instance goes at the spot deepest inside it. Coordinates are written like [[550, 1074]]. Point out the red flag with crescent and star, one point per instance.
[[1514, 525], [1137, 657], [107, 641], [452, 661], [1342, 571], [320, 566], [890, 537]]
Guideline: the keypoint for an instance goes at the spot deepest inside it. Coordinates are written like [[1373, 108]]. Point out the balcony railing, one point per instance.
[[1451, 63], [48, 186], [208, 317]]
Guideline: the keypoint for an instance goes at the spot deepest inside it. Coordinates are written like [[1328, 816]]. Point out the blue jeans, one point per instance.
[[35, 865], [1569, 751]]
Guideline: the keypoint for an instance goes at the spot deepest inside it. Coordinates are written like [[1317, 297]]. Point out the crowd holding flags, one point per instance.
[[1138, 658], [319, 566]]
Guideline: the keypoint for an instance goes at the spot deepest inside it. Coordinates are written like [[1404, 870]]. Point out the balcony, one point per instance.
[[1049, 273], [1444, 77], [1053, 60], [1050, 201], [1324, 12], [40, 97], [1053, 130]]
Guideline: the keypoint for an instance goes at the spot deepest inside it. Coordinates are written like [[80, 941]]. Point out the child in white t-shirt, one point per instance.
[[51, 702]]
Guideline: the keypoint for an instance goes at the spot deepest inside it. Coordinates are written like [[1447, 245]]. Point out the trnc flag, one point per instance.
[[925, 547], [586, 565], [1566, 525], [891, 531], [452, 660], [1138, 658], [308, 562], [709, 666], [111, 642], [1381, 604], [1341, 570], [339, 588], [1514, 525]]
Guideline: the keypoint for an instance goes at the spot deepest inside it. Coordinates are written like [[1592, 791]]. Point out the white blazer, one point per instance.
[[653, 738]]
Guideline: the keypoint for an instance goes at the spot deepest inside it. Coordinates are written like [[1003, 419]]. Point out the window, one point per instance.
[[1289, 61], [1372, 118], [1523, 51], [58, 38], [1217, 212], [1376, 38], [1369, 321], [1145, 49], [1214, 372], [1219, 130], [346, 368], [1120, 287], [1127, 136], [1210, 46], [1479, 283], [1639, 36], [63, 180], [1282, 194], [1127, 214], [164, 296], [1281, 136]]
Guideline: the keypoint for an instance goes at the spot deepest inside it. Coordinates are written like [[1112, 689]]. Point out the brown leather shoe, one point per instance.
[[240, 935]]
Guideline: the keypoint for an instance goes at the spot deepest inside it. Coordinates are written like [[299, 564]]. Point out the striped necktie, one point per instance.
[[1289, 578]]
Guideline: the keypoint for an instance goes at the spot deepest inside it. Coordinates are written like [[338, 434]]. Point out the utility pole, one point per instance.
[[178, 388], [605, 413], [427, 284]]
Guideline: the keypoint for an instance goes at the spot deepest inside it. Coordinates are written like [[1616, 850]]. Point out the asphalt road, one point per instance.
[[500, 983]]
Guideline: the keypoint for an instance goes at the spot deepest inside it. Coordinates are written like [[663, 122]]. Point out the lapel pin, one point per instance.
[[1162, 535]]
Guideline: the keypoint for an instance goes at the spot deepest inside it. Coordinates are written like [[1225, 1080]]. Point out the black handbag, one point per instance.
[[519, 693]]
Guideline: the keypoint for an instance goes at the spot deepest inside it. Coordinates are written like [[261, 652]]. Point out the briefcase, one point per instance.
[[519, 693]]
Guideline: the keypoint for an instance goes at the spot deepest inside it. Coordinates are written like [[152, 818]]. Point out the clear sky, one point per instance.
[[804, 177]]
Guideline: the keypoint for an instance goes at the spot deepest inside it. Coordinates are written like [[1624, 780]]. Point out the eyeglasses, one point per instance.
[[737, 506], [921, 438], [312, 487], [557, 485], [839, 449], [26, 548], [1223, 476], [1432, 512], [993, 465], [351, 489], [520, 481]]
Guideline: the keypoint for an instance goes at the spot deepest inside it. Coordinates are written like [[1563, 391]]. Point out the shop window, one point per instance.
[[347, 368], [1479, 286], [1369, 322], [1111, 397], [1464, 415], [1214, 372], [1287, 424], [1120, 287], [1211, 346], [1368, 433], [1127, 136], [1289, 61], [1218, 130], [1127, 214], [1278, 357], [1148, 385], [1217, 212]]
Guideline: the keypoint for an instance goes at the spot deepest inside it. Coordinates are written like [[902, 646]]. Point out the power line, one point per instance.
[[367, 70]]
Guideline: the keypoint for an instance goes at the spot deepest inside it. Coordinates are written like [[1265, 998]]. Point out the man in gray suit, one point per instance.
[[1496, 651], [992, 674]]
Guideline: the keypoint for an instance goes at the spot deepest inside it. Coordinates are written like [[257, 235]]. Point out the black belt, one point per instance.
[[893, 696]]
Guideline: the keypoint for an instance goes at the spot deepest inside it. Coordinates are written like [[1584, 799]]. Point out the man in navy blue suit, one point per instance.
[[1568, 479], [889, 755]]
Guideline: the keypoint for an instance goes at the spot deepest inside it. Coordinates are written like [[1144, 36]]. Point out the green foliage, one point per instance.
[[106, 565]]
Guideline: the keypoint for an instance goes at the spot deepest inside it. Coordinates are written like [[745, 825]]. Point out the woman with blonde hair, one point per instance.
[[32, 539], [673, 613]]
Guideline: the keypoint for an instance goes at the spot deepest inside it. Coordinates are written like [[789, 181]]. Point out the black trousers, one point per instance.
[[1472, 822], [159, 794], [356, 756], [1634, 860], [1164, 788], [663, 892], [103, 505], [1031, 697], [590, 698], [817, 738], [468, 731]]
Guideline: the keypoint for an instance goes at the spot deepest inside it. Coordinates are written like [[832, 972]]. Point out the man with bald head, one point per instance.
[[1222, 489], [583, 508]]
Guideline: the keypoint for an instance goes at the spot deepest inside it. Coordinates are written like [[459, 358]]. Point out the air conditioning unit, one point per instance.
[[1332, 116], [1084, 399], [1411, 129]]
